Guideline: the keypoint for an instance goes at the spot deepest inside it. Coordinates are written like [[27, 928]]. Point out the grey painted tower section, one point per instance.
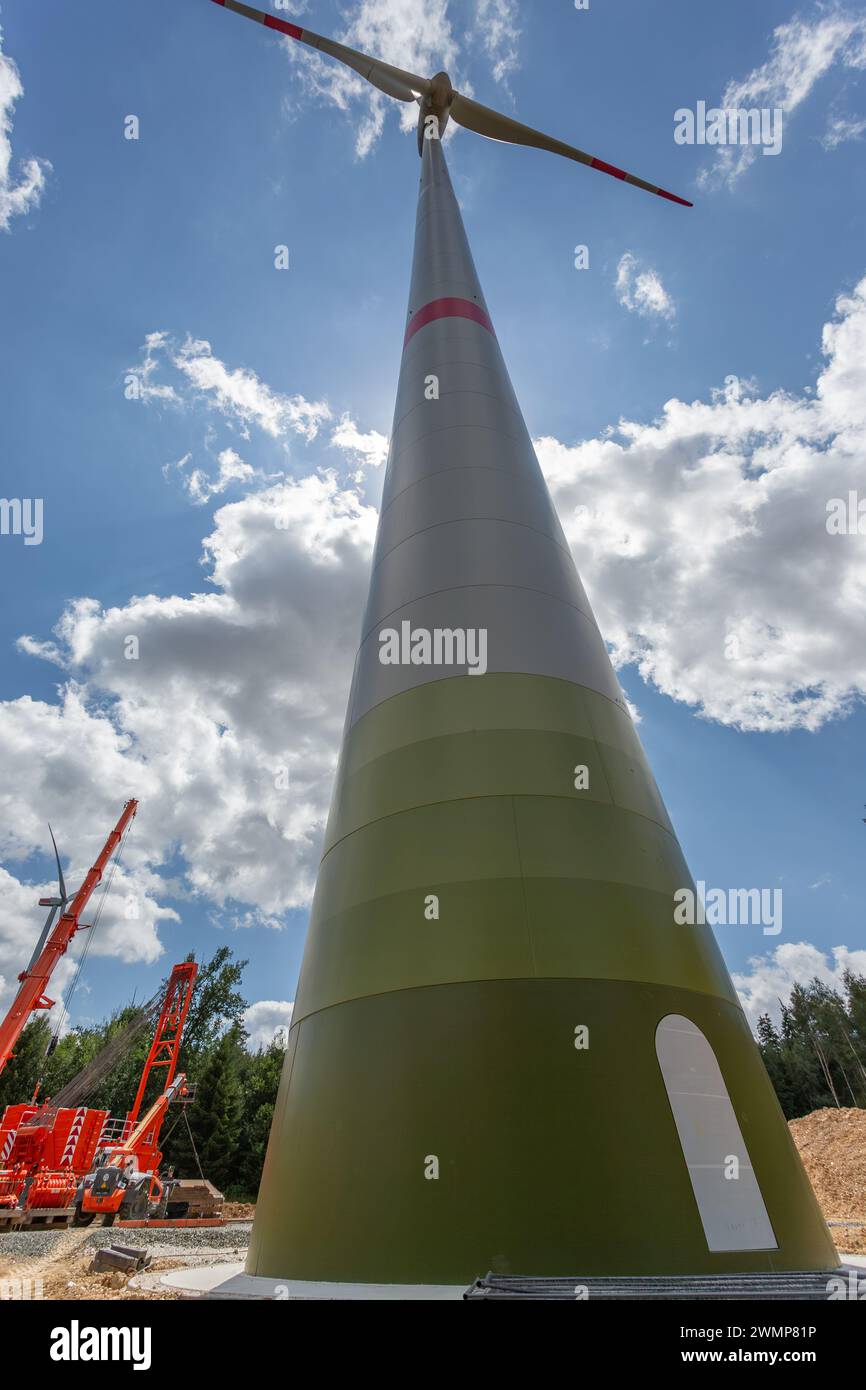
[[468, 536]]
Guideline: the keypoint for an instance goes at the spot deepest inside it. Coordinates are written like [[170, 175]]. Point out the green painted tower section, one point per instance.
[[505, 1055]]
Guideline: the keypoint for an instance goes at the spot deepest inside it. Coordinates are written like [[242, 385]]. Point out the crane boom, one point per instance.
[[153, 1116], [34, 981]]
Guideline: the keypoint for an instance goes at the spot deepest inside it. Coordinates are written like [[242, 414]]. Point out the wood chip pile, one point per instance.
[[832, 1145]]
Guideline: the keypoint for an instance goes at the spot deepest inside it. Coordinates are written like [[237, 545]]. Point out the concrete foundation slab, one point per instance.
[[229, 1281]]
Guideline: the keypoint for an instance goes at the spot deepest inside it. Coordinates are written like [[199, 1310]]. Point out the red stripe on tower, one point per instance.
[[447, 308]]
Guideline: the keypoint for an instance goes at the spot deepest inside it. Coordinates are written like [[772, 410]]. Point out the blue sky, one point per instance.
[[693, 525]]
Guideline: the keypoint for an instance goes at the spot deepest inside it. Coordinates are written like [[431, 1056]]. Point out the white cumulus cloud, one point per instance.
[[236, 393], [771, 978], [640, 290], [201, 486], [702, 537], [240, 400], [370, 449], [226, 726], [18, 192], [266, 1020]]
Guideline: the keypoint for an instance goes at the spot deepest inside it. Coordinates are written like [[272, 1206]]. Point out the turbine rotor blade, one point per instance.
[[43, 936], [394, 82], [63, 893], [484, 121]]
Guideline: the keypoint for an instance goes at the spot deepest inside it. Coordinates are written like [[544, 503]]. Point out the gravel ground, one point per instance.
[[58, 1262], [161, 1238], [28, 1245], [162, 1242]]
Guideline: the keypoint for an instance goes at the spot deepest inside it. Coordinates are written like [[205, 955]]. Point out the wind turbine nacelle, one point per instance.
[[435, 106]]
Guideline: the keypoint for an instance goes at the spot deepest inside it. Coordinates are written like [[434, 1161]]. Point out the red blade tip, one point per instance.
[[663, 193]]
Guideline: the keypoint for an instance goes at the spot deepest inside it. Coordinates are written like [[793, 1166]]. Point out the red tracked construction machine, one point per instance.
[[63, 1162]]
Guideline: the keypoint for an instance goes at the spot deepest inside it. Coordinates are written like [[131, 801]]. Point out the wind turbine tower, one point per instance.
[[504, 1055]]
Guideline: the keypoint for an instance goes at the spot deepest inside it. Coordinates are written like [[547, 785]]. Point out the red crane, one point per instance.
[[54, 942], [47, 1152], [163, 1053], [166, 1040]]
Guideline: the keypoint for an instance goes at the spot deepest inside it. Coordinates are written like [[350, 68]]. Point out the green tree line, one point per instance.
[[816, 1054], [224, 1128]]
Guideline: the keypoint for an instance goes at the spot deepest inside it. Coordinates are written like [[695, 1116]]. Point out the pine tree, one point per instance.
[[260, 1080], [817, 1056], [215, 1114]]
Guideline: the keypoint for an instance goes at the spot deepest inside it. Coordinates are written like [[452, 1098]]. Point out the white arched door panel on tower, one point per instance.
[[726, 1189]]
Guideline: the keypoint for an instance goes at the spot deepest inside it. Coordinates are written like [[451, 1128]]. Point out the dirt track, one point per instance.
[[63, 1270]]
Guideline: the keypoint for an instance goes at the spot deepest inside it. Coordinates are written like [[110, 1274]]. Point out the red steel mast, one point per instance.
[[34, 981], [166, 1040]]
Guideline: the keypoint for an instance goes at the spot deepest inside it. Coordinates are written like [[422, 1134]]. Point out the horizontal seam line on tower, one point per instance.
[[457, 468], [602, 744], [501, 796], [463, 425], [445, 276], [443, 429], [531, 980], [449, 362], [446, 319], [412, 357], [459, 520], [457, 391], [456, 333], [532, 675], [453, 588], [427, 368], [507, 878]]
